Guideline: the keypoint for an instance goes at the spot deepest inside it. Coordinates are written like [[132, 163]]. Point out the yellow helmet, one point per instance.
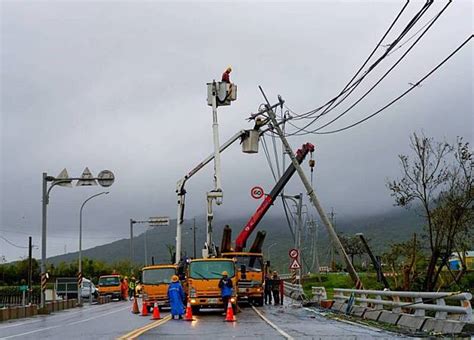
[[175, 278], [224, 273], [229, 68]]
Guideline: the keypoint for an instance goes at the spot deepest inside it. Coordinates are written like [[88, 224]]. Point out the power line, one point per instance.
[[404, 93], [385, 74], [352, 87], [13, 244]]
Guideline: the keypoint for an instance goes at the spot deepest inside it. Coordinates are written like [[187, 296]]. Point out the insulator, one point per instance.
[[311, 163]]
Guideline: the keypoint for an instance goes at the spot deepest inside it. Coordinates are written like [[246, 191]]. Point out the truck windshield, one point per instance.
[[210, 269], [157, 276], [252, 263], [109, 281]]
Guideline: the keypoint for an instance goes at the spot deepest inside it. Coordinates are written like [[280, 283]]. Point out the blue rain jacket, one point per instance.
[[176, 297], [226, 287]]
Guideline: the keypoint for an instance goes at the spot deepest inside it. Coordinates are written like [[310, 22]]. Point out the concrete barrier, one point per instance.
[[389, 317], [358, 311], [407, 309], [372, 314], [13, 314], [442, 326], [4, 314], [411, 322]]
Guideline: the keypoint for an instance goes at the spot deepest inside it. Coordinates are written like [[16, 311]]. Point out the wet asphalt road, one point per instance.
[[292, 322], [112, 320], [107, 321]]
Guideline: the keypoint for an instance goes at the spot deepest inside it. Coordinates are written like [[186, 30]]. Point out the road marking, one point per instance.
[[139, 331], [65, 325], [278, 329]]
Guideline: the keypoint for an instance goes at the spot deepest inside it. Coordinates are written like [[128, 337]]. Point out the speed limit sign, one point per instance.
[[257, 192]]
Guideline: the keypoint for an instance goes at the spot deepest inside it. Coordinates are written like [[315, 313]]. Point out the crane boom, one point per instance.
[[181, 192], [252, 223]]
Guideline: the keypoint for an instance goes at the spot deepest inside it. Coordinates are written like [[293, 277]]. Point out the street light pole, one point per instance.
[[79, 281], [268, 249]]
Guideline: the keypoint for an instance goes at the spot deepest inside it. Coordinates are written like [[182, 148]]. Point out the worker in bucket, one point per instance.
[[225, 284], [226, 75], [176, 297]]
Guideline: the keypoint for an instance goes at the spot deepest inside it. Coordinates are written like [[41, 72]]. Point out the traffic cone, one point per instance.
[[189, 313], [230, 313], [144, 309], [156, 312], [135, 307]]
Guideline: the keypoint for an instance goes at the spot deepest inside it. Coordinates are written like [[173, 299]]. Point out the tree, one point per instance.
[[438, 178], [352, 245]]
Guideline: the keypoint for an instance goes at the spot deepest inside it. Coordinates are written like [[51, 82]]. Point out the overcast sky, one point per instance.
[[122, 86]]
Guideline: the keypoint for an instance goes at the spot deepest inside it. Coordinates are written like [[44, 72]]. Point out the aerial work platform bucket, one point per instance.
[[225, 93], [250, 141]]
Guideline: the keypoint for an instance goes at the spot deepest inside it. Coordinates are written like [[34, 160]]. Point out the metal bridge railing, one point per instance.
[[415, 303]]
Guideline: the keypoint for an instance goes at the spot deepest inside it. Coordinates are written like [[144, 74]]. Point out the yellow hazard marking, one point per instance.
[[139, 331]]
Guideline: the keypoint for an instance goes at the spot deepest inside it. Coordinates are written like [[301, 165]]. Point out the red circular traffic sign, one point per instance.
[[257, 192], [293, 253]]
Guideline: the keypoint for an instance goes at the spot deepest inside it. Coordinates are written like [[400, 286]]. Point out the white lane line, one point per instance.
[[65, 325], [278, 329], [55, 316]]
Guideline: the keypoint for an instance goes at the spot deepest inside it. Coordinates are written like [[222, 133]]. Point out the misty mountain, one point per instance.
[[382, 230]]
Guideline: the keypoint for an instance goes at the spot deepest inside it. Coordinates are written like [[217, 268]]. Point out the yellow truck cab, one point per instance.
[[155, 281], [110, 285], [250, 276], [203, 277]]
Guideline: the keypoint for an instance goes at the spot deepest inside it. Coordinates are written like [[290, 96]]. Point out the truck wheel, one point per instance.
[[259, 301]]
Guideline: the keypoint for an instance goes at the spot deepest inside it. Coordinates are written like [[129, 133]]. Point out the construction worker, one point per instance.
[[276, 288], [131, 288], [225, 284], [124, 289], [176, 297], [282, 291], [268, 290], [226, 75]]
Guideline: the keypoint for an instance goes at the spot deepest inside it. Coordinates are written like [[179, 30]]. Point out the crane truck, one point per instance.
[[250, 265]]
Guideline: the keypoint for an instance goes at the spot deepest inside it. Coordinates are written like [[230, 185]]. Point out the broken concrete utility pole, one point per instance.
[[310, 191]]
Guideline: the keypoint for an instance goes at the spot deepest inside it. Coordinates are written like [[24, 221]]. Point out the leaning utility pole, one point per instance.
[[310, 191]]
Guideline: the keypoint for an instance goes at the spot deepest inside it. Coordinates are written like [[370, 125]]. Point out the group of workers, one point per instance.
[[273, 288], [176, 294], [128, 288]]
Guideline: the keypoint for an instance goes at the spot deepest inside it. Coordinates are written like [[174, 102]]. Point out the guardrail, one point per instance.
[[293, 291], [408, 309]]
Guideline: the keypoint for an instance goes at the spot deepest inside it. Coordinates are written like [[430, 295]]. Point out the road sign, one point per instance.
[[23, 288], [63, 175], [257, 192], [294, 253], [86, 179], [159, 221], [106, 178], [295, 264]]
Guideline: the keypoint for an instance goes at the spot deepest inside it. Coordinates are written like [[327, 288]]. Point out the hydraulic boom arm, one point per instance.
[[181, 192], [241, 240]]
